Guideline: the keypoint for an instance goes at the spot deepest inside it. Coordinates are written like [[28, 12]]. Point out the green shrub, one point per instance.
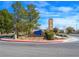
[[49, 35]]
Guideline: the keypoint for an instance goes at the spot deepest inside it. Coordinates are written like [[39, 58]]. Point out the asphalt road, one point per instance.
[[15, 49], [75, 35]]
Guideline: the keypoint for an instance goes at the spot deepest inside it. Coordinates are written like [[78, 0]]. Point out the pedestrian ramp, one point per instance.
[[71, 39]]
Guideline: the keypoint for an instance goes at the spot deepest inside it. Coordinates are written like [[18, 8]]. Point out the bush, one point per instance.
[[49, 35], [69, 30], [61, 31]]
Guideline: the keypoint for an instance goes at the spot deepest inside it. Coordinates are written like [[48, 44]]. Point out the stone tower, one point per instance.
[[50, 24]]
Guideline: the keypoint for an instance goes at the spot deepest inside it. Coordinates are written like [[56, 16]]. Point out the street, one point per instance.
[[23, 49]]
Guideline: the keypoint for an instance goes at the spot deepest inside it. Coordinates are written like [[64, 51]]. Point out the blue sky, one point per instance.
[[63, 13]]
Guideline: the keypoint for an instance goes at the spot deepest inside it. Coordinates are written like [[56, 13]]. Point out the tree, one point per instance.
[[19, 15], [33, 16], [1, 23], [56, 30], [6, 24], [25, 20], [61, 31], [69, 30]]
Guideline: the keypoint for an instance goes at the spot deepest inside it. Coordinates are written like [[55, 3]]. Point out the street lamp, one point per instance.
[[76, 23]]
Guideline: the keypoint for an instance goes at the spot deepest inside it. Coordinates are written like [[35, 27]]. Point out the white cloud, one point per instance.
[[61, 23], [47, 14], [44, 26], [70, 16], [65, 9], [65, 22], [8, 4], [56, 12], [41, 4], [41, 10], [61, 8]]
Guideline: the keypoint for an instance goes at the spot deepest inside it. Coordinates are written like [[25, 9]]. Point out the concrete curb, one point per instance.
[[12, 40]]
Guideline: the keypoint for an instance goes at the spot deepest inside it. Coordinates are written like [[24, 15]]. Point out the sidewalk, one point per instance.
[[71, 39]]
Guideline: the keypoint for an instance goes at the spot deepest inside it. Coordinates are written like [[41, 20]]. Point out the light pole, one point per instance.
[[76, 24], [64, 28]]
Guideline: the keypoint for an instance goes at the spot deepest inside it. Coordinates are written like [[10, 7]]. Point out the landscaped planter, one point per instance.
[[7, 36], [49, 35]]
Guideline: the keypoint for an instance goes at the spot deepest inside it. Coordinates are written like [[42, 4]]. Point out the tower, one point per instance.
[[50, 24]]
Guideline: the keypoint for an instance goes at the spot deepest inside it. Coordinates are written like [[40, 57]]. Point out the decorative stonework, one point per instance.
[[50, 24]]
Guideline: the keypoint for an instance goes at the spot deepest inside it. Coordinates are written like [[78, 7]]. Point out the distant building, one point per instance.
[[50, 24]]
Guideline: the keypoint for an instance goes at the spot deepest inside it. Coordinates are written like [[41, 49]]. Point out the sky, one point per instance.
[[64, 13]]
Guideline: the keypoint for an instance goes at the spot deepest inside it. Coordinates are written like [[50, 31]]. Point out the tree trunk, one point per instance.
[[17, 33]]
